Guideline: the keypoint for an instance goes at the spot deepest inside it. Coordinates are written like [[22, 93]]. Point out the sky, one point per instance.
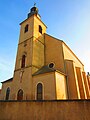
[[68, 20]]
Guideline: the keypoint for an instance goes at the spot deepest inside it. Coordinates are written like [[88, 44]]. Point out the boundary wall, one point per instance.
[[45, 110]]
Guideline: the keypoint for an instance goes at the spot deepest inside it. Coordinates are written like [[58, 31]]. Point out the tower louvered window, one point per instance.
[[40, 29], [26, 28]]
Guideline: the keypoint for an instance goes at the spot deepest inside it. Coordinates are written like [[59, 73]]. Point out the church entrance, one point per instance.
[[20, 95]]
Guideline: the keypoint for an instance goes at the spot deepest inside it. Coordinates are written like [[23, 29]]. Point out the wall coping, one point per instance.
[[73, 100]]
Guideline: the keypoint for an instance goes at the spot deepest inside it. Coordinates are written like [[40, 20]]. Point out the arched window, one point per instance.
[[20, 95], [40, 29], [23, 61], [26, 28], [7, 93], [39, 91]]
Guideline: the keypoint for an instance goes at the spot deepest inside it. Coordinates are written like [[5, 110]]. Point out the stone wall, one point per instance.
[[45, 110]]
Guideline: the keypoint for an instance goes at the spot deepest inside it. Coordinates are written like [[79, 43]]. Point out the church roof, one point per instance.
[[44, 69], [9, 80]]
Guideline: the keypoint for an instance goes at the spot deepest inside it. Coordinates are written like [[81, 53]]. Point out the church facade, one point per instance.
[[46, 68]]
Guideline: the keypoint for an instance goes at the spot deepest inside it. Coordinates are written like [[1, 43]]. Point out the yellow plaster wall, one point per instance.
[[4, 89], [69, 55], [38, 22], [45, 110], [86, 84], [72, 86], [38, 45], [61, 88], [24, 83], [48, 82], [38, 54], [34, 69], [29, 34], [54, 52], [80, 83], [88, 81], [24, 48]]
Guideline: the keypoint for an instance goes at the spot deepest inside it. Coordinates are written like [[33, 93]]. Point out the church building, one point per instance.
[[46, 68]]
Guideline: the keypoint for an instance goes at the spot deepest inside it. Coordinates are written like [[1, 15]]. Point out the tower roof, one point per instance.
[[33, 10]]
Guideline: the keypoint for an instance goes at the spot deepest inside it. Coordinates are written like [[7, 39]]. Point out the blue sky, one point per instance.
[[68, 20]]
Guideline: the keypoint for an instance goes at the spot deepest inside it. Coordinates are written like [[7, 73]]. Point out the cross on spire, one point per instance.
[[34, 4]]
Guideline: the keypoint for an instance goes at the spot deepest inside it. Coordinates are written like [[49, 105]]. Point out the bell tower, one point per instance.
[[30, 53]]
